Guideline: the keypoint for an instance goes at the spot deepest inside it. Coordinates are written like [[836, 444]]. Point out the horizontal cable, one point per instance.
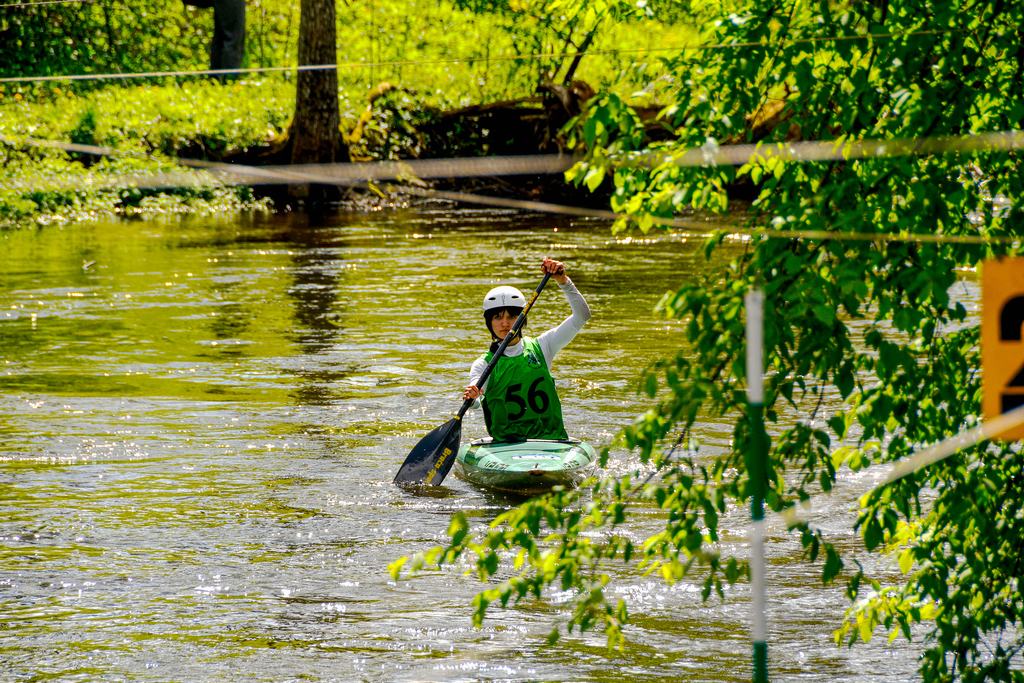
[[350, 174], [707, 227], [342, 173], [33, 3], [988, 429], [163, 74], [713, 154], [458, 60]]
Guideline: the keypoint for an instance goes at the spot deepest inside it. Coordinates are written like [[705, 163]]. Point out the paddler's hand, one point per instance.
[[472, 393], [557, 270]]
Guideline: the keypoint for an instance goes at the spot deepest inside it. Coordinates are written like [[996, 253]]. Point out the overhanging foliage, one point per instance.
[[870, 321]]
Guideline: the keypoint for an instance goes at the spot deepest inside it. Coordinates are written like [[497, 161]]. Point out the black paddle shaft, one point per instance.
[[516, 327]]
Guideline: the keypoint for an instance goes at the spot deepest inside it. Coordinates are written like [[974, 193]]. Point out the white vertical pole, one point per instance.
[[757, 471]]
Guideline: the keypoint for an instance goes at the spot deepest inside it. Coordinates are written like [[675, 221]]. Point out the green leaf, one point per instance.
[[906, 560], [872, 534], [865, 629], [651, 385], [826, 314], [395, 568], [833, 565], [838, 424], [594, 177], [458, 528]]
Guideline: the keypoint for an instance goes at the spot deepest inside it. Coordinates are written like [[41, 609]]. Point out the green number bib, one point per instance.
[[521, 401]]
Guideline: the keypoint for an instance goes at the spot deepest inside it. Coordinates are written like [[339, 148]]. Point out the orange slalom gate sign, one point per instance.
[[1002, 339]]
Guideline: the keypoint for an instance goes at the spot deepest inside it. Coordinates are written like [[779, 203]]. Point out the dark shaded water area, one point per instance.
[[201, 421]]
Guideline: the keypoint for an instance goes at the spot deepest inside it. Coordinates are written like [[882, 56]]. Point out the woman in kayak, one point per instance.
[[519, 397]]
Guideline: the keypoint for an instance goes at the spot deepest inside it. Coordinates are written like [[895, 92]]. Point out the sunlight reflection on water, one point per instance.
[[202, 427]]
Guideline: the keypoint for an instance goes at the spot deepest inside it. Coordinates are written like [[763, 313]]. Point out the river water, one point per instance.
[[202, 418]]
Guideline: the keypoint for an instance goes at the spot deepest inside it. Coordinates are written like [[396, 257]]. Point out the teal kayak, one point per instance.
[[530, 466]]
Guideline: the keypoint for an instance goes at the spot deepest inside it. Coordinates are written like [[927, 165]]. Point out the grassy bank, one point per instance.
[[148, 127], [439, 55]]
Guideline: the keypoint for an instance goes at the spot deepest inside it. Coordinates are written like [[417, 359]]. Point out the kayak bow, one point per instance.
[[530, 466]]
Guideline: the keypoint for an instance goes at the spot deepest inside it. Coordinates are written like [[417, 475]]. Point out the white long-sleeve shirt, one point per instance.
[[552, 341]]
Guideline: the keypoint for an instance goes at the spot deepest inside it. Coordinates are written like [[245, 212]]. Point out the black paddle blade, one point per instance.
[[432, 458]]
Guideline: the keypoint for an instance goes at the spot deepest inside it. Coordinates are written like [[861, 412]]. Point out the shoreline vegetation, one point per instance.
[[460, 85]]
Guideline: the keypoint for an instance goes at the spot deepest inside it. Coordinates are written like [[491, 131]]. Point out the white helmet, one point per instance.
[[503, 296]]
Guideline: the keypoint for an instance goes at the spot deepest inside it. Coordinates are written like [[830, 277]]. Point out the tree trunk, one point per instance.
[[315, 130]]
